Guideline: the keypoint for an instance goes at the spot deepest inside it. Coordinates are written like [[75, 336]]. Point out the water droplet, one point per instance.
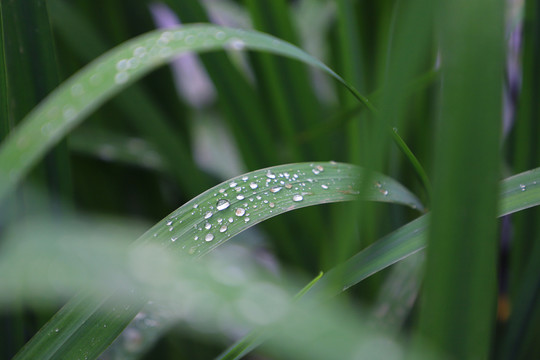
[[246, 219], [121, 78], [270, 175], [240, 212], [207, 226], [297, 197], [169, 222], [133, 63], [56, 330], [223, 228], [173, 239], [220, 35], [316, 171], [384, 192], [253, 185], [320, 168], [288, 186], [236, 44], [221, 191], [325, 187], [77, 90], [240, 197], [139, 51], [171, 228], [209, 237], [378, 184], [195, 206], [245, 178], [122, 65], [231, 219], [69, 113], [208, 215], [222, 204], [233, 184], [196, 238], [165, 38], [271, 204], [522, 187], [275, 189]]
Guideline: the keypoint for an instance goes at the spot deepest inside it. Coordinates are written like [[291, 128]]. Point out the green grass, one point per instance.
[[396, 96]]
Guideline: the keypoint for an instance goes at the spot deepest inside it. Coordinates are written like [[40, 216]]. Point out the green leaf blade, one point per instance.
[[70, 103], [231, 207]]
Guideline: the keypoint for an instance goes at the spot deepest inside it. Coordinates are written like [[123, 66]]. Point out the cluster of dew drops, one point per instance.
[[170, 41], [247, 199]]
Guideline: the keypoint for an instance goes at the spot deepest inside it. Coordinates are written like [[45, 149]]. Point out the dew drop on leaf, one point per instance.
[[253, 185], [236, 44], [220, 35], [297, 198], [77, 90], [208, 215], [121, 65], [209, 237], [139, 51], [121, 77], [222, 204], [223, 228], [240, 212]]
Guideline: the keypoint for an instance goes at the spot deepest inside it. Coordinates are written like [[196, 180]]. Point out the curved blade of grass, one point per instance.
[[517, 193], [221, 212], [76, 98], [206, 222], [385, 252]]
